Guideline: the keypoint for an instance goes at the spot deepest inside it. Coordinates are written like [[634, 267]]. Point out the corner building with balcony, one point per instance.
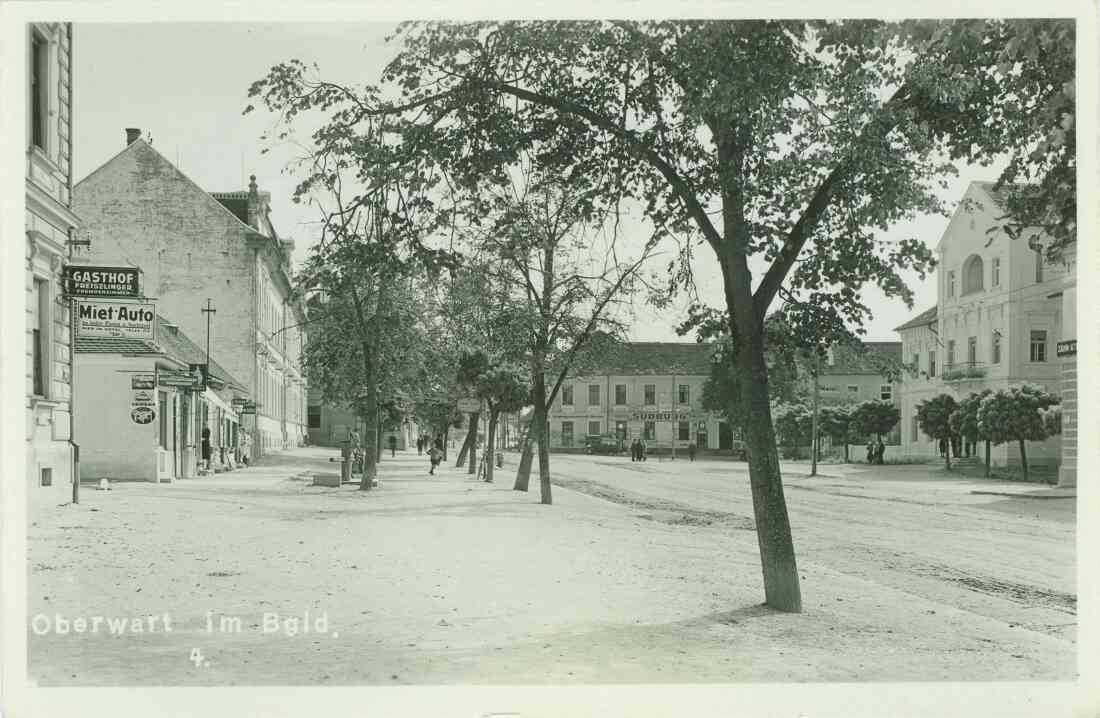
[[50, 223], [1001, 315], [192, 245]]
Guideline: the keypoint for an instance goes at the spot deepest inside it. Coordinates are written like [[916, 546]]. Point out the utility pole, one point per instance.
[[209, 311]]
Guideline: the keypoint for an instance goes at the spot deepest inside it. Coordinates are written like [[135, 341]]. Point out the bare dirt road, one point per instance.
[[265, 579]]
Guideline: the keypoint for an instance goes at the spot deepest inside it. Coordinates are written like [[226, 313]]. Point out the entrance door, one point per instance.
[[725, 436], [177, 455]]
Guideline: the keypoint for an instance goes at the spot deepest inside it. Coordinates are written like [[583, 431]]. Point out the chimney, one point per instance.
[[132, 134], [253, 203]]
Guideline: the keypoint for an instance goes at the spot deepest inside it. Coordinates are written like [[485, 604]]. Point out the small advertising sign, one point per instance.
[[143, 381], [143, 414], [249, 408], [116, 319], [1066, 348], [83, 281], [198, 376], [469, 405]]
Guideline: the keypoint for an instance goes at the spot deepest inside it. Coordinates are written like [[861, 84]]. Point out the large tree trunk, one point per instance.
[[526, 458], [987, 459], [370, 432], [1023, 457], [490, 444], [947, 455], [466, 444], [539, 430], [773, 529], [475, 422]]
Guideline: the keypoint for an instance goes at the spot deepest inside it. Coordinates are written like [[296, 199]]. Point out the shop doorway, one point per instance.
[[725, 436]]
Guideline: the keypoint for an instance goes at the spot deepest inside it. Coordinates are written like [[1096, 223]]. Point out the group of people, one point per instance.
[[638, 450], [875, 451]]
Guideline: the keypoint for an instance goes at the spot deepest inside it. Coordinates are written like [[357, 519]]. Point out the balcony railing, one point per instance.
[[964, 371]]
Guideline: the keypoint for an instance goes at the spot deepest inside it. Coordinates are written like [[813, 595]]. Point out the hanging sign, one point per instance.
[[83, 281], [469, 406], [1066, 348], [143, 414], [116, 319]]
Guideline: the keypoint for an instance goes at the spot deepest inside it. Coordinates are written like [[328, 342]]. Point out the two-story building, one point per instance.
[[50, 223], [200, 252], [648, 390], [999, 318]]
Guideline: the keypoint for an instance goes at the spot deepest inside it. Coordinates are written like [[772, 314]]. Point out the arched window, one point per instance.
[[973, 274]]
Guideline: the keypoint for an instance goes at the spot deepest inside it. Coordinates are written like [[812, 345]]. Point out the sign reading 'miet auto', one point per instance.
[[81, 281], [116, 319]]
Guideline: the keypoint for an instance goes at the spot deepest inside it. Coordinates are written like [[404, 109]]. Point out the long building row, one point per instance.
[[211, 376]]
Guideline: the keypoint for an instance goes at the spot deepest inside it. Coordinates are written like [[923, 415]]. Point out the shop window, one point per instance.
[[684, 431], [162, 416], [567, 433], [650, 431]]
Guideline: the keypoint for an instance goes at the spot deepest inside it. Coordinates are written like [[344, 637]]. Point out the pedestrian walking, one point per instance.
[[880, 451], [870, 452], [393, 445], [691, 451], [633, 451], [419, 445], [642, 449], [435, 455]]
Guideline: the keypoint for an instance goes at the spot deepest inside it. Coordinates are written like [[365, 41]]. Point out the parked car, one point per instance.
[[603, 444]]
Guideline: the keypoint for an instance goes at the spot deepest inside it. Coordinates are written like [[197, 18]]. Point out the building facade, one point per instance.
[[648, 390], [200, 251], [50, 223], [1000, 317]]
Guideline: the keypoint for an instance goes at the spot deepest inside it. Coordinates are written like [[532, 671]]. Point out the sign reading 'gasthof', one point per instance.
[[81, 281]]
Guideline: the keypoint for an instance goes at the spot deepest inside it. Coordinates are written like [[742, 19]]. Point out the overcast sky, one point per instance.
[[185, 86]]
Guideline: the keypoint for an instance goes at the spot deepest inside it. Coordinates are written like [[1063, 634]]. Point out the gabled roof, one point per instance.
[[141, 146], [928, 316], [178, 345], [862, 358], [656, 358]]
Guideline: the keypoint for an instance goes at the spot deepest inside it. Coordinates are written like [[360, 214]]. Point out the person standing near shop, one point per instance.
[[206, 447]]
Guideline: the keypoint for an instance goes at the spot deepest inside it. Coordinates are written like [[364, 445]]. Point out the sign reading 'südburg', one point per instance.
[[116, 319], [81, 281]]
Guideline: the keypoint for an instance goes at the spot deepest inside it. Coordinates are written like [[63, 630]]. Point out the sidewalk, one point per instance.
[[444, 579]]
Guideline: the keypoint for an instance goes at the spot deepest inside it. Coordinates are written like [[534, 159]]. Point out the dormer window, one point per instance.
[[973, 274]]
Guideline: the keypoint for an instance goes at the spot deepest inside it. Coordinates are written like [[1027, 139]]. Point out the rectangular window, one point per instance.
[[650, 431], [567, 433], [996, 348], [972, 350], [46, 477], [914, 429], [314, 417], [1038, 266], [996, 271], [593, 428], [931, 364], [886, 392], [650, 394], [684, 394], [620, 394], [40, 52], [853, 389], [1038, 346], [567, 395], [951, 283], [40, 335], [950, 353], [683, 431], [593, 394], [916, 362]]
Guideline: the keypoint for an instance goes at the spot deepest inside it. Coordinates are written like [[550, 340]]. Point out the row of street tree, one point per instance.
[[504, 154]]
